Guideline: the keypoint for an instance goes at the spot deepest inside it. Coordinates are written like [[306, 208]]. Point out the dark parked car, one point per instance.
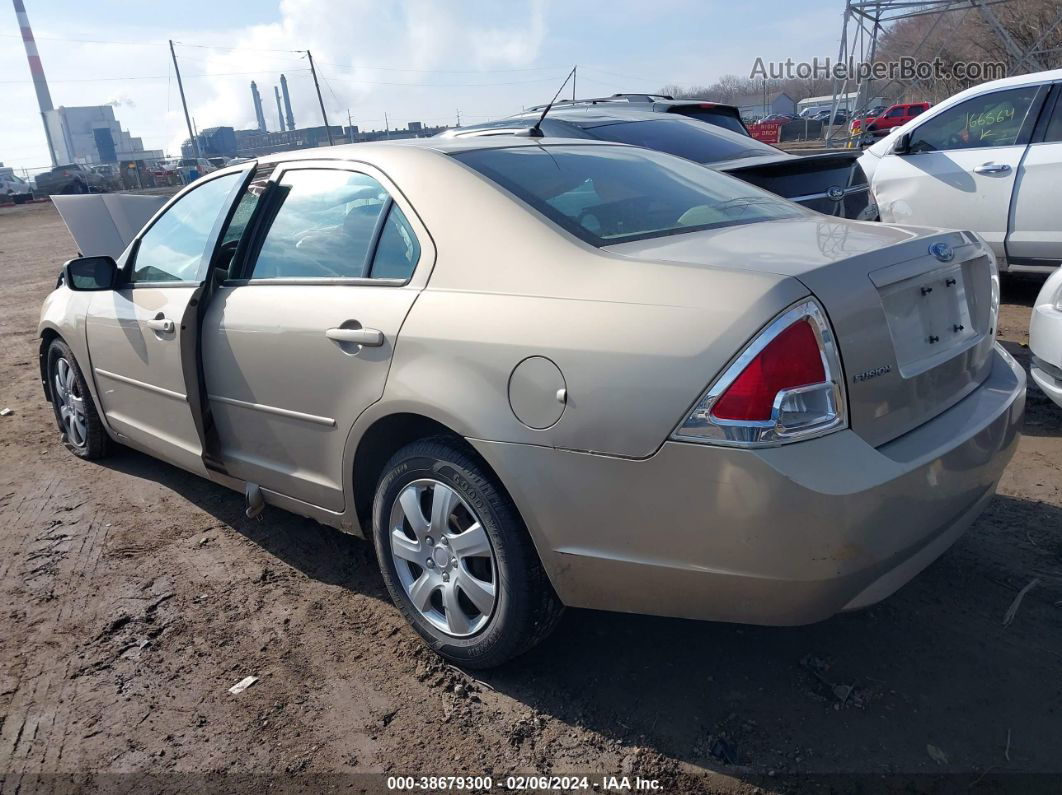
[[726, 116], [71, 178], [830, 183], [840, 117]]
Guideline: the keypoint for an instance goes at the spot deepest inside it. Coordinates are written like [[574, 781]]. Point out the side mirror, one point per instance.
[[91, 273], [902, 144]]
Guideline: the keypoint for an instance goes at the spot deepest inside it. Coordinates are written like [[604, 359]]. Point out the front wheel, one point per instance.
[[457, 559], [75, 412]]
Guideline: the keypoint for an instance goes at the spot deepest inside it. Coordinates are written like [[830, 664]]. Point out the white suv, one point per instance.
[[987, 159]]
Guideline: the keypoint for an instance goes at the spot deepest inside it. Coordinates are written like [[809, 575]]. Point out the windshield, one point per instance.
[[607, 194], [687, 138]]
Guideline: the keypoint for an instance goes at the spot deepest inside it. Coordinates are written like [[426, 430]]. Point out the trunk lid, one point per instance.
[[915, 330], [831, 183]]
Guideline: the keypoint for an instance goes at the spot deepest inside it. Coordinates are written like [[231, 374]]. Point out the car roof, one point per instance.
[[628, 100], [446, 146], [587, 116]]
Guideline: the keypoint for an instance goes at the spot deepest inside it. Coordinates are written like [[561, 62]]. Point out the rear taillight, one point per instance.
[[785, 386]]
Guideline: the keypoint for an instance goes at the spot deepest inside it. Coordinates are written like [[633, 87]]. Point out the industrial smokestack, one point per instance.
[[280, 113], [40, 85], [287, 102], [258, 115]]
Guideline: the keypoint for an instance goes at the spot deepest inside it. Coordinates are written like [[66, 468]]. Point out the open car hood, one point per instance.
[[106, 223]]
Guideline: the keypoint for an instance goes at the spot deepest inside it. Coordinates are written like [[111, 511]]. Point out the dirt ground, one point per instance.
[[133, 595]]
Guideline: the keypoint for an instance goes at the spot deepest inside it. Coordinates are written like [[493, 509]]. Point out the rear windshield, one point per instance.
[[687, 138], [611, 194]]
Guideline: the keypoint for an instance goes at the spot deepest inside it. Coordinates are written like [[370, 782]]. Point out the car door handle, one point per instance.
[[161, 324], [369, 337], [992, 168]]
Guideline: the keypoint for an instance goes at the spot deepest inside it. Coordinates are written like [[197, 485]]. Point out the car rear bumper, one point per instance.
[[787, 535]]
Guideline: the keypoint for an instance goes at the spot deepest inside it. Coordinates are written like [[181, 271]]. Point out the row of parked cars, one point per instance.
[[76, 178], [539, 366]]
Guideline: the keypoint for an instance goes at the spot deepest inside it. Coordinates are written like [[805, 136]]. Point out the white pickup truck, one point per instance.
[[988, 159]]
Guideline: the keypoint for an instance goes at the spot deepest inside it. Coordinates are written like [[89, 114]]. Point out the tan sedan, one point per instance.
[[545, 374]]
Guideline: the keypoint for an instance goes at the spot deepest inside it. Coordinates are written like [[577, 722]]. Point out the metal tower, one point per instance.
[[256, 98], [287, 102], [866, 20], [40, 84]]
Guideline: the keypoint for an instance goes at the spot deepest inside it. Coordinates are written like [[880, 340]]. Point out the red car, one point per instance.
[[894, 116]]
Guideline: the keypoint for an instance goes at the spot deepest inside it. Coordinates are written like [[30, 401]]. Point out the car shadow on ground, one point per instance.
[[321, 553], [1020, 288], [1042, 416], [863, 693]]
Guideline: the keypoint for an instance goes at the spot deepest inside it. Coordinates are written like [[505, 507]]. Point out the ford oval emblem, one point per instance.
[[835, 193], [942, 251]]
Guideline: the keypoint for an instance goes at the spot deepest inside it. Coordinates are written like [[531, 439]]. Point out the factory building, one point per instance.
[[415, 130], [259, 141], [90, 135], [253, 143], [87, 135], [213, 142]]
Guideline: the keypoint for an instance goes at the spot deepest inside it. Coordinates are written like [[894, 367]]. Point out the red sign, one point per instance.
[[766, 131]]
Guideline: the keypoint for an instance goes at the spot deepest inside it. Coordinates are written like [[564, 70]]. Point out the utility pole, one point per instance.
[[350, 128], [458, 117], [320, 99], [387, 127], [575, 74], [184, 102]]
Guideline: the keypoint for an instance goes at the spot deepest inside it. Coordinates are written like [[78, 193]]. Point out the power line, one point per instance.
[[157, 77], [550, 79], [356, 67]]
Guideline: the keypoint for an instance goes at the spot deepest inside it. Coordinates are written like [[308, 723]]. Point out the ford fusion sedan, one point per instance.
[[540, 374]]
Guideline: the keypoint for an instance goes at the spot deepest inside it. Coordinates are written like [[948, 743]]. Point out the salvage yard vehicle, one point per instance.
[[831, 183], [726, 116], [1045, 338], [13, 187], [541, 373], [988, 159], [877, 124], [71, 178]]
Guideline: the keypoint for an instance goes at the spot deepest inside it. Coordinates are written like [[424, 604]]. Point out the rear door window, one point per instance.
[[398, 251], [1054, 126], [334, 224]]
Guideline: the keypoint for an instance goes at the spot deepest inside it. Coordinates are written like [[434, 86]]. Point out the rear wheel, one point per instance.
[[456, 558], [75, 413]]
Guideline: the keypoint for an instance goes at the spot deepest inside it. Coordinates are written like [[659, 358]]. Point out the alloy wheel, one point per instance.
[[443, 557], [71, 403]]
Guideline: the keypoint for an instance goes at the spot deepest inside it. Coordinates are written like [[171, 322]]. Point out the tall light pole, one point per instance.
[[184, 102], [320, 99]]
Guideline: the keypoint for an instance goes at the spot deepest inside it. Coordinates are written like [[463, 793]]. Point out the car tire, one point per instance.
[[524, 609], [75, 413]]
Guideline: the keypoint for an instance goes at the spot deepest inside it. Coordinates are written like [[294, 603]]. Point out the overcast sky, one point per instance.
[[411, 59]]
